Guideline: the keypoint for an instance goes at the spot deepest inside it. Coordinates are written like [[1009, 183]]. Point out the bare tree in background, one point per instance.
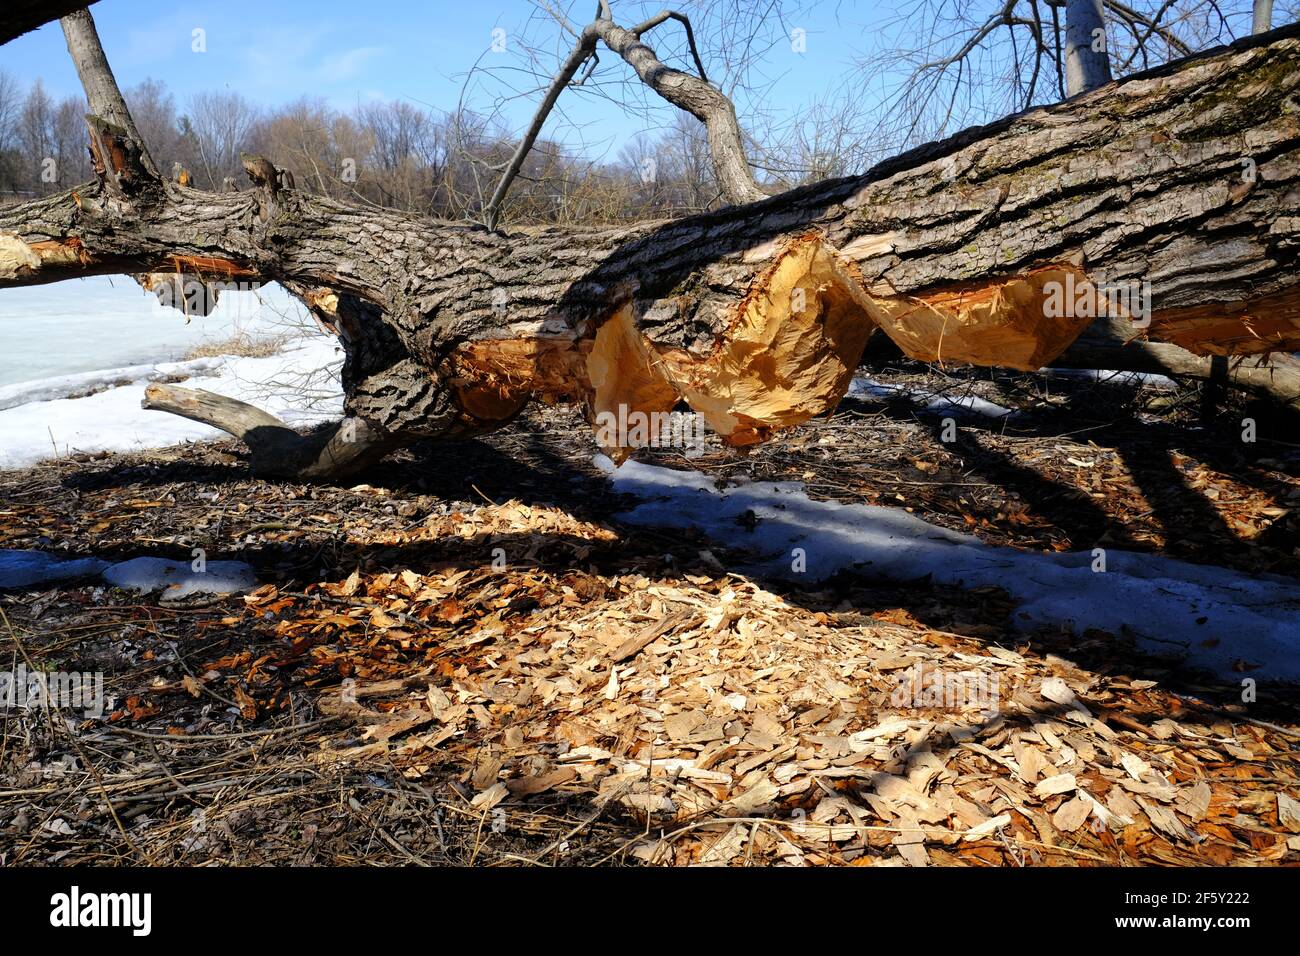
[[10, 108], [222, 124], [50, 141], [965, 62]]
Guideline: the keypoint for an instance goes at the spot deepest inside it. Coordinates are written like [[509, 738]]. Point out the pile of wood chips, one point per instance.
[[735, 726]]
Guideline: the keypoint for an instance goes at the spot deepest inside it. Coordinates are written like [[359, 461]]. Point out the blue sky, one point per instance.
[[276, 51]]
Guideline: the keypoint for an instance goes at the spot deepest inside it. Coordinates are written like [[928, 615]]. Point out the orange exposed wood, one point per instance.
[[626, 372], [1000, 323], [790, 353], [1267, 324], [492, 377], [201, 265], [64, 252], [792, 347]]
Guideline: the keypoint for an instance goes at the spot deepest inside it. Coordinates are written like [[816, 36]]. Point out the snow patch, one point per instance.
[[81, 384], [1111, 376], [179, 580], [300, 385], [28, 569], [20, 569], [969, 405], [1205, 616]]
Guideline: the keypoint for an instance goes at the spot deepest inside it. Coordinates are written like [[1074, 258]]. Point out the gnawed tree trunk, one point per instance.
[[1186, 177]]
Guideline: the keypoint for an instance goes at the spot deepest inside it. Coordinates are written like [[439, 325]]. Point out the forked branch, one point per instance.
[[694, 94]]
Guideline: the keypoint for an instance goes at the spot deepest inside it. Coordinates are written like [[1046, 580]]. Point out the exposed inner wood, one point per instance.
[[787, 354], [1002, 323], [1270, 323], [790, 352]]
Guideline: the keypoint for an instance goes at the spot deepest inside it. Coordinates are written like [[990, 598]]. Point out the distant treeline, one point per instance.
[[391, 154]]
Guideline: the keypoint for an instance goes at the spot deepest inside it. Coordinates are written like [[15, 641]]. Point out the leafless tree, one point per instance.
[[963, 62], [222, 125]]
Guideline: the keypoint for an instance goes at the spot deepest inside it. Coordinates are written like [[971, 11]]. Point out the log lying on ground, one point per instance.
[[277, 450], [1109, 344], [756, 315]]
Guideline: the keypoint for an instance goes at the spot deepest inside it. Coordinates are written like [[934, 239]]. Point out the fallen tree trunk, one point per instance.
[[1108, 344], [994, 247]]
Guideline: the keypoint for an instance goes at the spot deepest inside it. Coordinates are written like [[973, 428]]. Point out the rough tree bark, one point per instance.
[[22, 16], [1186, 177]]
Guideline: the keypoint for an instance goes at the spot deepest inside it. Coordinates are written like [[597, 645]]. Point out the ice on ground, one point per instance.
[[969, 405], [300, 385], [1109, 376], [1205, 616], [30, 569], [20, 569], [49, 331], [177, 580], [83, 384]]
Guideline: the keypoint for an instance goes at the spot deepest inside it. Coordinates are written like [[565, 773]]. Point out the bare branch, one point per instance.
[[582, 50], [693, 94], [97, 80], [277, 450], [1263, 16], [681, 18]]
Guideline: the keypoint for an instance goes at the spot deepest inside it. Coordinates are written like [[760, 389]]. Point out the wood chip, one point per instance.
[[1071, 814]]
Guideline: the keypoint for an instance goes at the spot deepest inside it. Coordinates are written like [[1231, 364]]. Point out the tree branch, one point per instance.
[[97, 80], [693, 94], [22, 16], [1263, 16], [277, 450]]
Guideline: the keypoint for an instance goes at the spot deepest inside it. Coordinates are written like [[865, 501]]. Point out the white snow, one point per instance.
[[1205, 616], [80, 384], [20, 569], [33, 569], [177, 579], [300, 386], [102, 322], [87, 407], [942, 404], [1111, 376]]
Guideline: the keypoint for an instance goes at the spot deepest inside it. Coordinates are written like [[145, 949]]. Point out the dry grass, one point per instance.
[[241, 345]]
